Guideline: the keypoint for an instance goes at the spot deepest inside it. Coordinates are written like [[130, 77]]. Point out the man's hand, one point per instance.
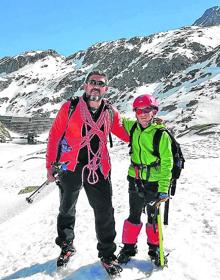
[[50, 175]]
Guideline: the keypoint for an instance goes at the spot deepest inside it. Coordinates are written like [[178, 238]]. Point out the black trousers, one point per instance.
[[100, 198], [141, 193]]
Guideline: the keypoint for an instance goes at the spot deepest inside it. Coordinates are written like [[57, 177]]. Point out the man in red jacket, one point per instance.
[[82, 144]]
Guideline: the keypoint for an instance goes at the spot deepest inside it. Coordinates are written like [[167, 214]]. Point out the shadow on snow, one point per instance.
[[91, 271], [47, 268]]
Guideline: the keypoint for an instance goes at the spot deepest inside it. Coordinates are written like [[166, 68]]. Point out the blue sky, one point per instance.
[[68, 26]]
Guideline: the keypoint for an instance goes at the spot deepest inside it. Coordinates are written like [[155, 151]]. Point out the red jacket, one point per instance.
[[73, 137]]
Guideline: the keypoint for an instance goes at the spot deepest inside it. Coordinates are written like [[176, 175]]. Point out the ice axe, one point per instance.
[[162, 260], [58, 169], [30, 198]]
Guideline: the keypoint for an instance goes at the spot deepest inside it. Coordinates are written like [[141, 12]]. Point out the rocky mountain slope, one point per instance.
[[4, 134], [181, 67], [211, 17]]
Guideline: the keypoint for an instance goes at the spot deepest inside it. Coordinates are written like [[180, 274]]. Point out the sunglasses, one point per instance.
[[96, 83], [146, 110]]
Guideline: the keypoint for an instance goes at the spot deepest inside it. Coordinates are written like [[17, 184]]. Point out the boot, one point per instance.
[[128, 251], [153, 252], [67, 251], [111, 265], [153, 243]]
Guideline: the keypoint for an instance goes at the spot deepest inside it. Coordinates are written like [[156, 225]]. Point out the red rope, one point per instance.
[[94, 159]]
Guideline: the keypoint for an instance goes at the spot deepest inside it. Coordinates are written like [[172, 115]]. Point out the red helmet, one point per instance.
[[146, 100]]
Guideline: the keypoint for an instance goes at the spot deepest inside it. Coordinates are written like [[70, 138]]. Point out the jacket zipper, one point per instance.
[[140, 154]]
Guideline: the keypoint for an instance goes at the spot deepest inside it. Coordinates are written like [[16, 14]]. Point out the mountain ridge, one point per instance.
[[211, 17], [164, 64]]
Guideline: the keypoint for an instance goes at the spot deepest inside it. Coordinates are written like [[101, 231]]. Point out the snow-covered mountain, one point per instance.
[[210, 17], [181, 67]]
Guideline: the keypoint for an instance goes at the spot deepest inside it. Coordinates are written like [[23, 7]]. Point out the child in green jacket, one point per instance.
[[148, 176]]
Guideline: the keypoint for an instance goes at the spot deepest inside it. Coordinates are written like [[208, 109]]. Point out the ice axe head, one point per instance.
[[29, 200]]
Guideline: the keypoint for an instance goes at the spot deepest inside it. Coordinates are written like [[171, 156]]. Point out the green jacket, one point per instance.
[[142, 149]]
